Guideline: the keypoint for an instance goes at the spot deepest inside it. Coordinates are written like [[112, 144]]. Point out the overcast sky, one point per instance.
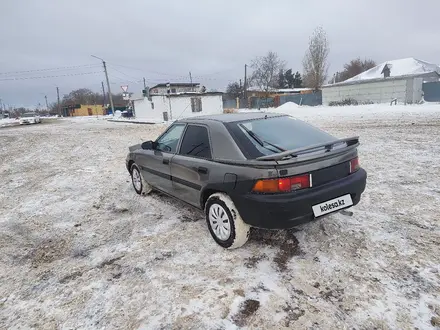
[[164, 40]]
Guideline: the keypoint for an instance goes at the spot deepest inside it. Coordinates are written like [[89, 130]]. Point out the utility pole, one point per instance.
[[191, 79], [103, 94], [108, 84], [47, 105], [58, 98], [245, 84]]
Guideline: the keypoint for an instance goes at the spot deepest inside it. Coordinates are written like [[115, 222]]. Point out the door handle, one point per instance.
[[165, 161], [202, 170]]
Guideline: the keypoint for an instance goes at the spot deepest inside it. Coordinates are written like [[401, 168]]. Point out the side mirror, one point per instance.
[[147, 145]]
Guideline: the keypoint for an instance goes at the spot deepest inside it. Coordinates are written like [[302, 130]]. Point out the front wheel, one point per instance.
[[225, 223], [139, 184]]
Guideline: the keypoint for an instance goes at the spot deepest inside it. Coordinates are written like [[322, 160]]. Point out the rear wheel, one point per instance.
[[139, 184], [225, 223]]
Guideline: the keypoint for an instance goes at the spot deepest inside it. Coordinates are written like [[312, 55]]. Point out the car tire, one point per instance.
[[232, 232], [139, 184]]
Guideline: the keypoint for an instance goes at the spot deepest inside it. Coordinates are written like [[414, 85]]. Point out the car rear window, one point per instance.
[[277, 134]]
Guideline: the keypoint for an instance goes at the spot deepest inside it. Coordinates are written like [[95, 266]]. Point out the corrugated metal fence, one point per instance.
[[311, 99]]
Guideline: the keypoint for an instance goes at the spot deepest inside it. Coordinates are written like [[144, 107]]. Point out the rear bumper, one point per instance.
[[289, 210]]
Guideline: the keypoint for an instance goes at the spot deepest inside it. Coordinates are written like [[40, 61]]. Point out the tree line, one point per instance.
[[269, 71], [77, 96], [87, 96]]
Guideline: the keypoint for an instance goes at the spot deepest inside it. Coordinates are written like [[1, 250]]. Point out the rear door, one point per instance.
[[155, 164], [190, 167]]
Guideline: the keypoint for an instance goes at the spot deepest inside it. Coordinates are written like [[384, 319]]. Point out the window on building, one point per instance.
[[152, 105], [196, 104], [173, 91], [195, 142]]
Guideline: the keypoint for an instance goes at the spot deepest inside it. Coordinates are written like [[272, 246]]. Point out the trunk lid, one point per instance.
[[323, 168]]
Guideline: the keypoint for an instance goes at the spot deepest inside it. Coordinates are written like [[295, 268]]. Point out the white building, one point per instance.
[[179, 105], [399, 79]]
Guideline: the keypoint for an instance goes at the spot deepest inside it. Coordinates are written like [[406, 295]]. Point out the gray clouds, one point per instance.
[[164, 40]]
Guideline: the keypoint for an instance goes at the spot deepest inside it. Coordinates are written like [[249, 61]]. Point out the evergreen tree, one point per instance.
[[281, 80], [289, 78], [297, 81]]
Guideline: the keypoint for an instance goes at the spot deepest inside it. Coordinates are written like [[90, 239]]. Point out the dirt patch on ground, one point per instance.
[[252, 262], [284, 240], [48, 251], [247, 308], [293, 314]]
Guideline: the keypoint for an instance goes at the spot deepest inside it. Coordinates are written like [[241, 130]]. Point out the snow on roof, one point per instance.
[[403, 67], [275, 90], [176, 84], [292, 90]]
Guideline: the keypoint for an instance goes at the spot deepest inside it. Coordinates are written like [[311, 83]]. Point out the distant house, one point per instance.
[[176, 88], [83, 110], [402, 80], [167, 107]]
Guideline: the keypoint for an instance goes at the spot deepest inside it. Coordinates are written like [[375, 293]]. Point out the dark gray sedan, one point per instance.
[[250, 170]]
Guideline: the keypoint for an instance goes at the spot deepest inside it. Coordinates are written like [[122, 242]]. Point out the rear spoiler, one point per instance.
[[350, 142]]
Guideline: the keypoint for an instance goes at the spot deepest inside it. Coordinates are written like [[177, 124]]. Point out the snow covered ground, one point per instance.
[[9, 122], [79, 249], [136, 120]]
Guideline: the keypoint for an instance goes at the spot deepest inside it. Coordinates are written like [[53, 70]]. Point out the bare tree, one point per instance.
[[87, 96], [315, 64], [266, 70], [233, 90], [355, 67]]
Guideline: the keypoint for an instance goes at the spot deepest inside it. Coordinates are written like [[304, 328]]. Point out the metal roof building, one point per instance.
[[398, 79]]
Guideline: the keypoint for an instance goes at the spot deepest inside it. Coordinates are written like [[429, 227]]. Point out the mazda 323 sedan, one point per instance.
[[247, 170]]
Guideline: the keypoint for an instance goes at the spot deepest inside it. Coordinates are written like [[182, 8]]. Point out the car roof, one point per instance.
[[232, 117]]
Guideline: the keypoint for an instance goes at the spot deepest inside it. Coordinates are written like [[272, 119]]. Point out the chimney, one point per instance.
[[386, 71]]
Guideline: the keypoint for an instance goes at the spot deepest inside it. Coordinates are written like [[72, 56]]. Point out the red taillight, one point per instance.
[[354, 165], [282, 184], [300, 182]]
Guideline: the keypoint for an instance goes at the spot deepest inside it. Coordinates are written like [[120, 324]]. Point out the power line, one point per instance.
[[215, 73], [51, 69], [131, 77], [122, 80], [44, 77]]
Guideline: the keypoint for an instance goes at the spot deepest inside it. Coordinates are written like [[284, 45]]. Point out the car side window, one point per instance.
[[169, 141], [195, 142]]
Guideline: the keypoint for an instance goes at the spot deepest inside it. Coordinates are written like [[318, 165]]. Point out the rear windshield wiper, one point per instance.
[[260, 141]]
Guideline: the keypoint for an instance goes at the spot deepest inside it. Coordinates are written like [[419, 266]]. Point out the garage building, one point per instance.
[[399, 79], [178, 105]]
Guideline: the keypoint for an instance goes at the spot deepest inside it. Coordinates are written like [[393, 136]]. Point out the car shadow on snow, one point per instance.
[[187, 213], [284, 241]]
